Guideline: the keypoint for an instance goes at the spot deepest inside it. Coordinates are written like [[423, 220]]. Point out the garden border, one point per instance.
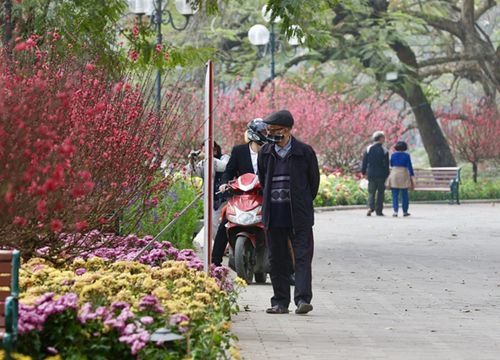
[[436, 202]]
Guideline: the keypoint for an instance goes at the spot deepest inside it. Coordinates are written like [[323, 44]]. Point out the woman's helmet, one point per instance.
[[257, 131]]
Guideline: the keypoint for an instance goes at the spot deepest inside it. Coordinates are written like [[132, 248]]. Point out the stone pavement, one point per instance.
[[424, 287]]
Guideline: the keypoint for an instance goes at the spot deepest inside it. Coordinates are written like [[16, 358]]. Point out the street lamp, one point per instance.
[[155, 9], [7, 23], [259, 35]]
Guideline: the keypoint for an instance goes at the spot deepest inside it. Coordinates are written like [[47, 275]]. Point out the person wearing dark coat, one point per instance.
[[243, 160], [289, 174], [376, 169]]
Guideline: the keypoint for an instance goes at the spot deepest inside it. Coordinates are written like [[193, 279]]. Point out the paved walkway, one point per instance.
[[424, 287]]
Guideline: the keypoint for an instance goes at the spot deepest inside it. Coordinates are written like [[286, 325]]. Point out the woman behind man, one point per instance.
[[197, 165], [401, 178]]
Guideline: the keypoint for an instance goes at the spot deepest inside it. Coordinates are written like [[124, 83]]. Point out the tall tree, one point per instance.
[[419, 42], [375, 28]]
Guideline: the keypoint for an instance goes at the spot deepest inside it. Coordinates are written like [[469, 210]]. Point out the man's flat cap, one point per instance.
[[282, 117]]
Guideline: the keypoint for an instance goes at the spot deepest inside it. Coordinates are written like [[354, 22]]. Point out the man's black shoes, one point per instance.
[[303, 308], [276, 309]]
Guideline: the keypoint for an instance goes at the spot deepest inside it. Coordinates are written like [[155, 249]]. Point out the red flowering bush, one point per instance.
[[337, 127], [76, 147], [473, 133]]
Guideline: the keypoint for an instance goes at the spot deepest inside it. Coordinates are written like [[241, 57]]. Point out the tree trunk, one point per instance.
[[435, 143], [474, 172]]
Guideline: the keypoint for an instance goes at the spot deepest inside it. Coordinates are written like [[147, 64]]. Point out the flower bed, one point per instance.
[[16, 356], [104, 305], [339, 189]]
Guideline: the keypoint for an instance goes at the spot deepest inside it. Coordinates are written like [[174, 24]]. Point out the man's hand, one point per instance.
[[223, 188]]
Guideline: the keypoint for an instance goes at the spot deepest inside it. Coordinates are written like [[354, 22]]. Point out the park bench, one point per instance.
[[439, 179], [9, 293]]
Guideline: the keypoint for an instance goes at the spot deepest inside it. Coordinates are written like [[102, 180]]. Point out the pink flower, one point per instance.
[[21, 46], [134, 55], [9, 197], [147, 320], [41, 207], [66, 148], [81, 225], [135, 31], [177, 319], [19, 221], [56, 225], [154, 201], [129, 329], [80, 271]]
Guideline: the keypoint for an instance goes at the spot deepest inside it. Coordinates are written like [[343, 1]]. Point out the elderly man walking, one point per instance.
[[376, 169], [289, 174]]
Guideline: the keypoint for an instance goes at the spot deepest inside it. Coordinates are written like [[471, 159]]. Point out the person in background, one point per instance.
[[243, 160], [376, 169], [196, 164], [401, 178]]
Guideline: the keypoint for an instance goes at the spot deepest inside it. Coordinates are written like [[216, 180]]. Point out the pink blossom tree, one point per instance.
[[338, 127], [76, 148], [473, 133]]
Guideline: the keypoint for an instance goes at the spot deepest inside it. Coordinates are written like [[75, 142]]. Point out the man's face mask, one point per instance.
[[275, 135]]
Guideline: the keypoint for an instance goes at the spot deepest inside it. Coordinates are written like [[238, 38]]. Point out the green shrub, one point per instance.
[[163, 210], [337, 189], [469, 190]]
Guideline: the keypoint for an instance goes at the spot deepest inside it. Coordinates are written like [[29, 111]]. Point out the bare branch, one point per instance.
[[439, 61], [457, 68], [321, 57], [439, 23], [456, 82], [453, 59]]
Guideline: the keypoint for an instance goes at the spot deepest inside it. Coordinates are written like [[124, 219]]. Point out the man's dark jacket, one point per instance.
[[376, 162], [240, 163], [304, 181]]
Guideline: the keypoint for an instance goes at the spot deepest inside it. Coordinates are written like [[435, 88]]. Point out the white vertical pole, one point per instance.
[[209, 167]]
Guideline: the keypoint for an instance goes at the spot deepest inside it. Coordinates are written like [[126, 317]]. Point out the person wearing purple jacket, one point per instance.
[[402, 177]]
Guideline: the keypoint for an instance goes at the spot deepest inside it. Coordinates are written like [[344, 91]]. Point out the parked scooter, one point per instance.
[[248, 253]]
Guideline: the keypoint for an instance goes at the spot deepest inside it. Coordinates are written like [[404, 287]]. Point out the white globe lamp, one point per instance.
[[258, 35]]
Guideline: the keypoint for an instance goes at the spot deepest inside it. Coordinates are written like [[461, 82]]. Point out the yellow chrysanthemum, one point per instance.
[[240, 282]]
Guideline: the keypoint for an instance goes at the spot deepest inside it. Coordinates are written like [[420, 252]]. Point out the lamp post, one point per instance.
[[260, 36], [155, 9], [7, 33]]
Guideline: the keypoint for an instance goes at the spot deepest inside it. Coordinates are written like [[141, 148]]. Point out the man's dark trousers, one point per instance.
[[279, 256], [220, 243], [376, 189]]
